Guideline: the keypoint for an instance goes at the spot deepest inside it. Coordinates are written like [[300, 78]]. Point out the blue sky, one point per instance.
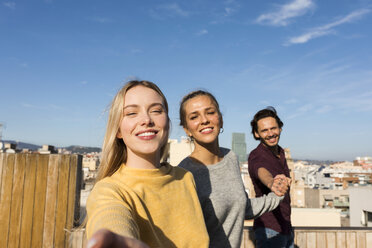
[[61, 62]]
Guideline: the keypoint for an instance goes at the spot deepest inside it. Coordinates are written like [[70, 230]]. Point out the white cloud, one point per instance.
[[286, 12], [291, 101], [10, 5], [202, 32], [230, 10], [27, 105], [44, 107], [136, 50], [101, 19], [327, 29], [324, 109], [302, 110], [170, 10]]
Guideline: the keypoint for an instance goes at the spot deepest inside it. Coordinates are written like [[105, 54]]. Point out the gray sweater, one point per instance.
[[224, 201]]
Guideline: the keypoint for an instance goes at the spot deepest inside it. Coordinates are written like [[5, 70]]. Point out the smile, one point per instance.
[[146, 135], [206, 130]]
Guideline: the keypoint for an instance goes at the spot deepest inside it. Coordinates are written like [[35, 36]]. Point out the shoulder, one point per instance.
[[256, 154], [185, 163], [231, 154], [190, 165], [226, 151], [256, 159], [107, 188]]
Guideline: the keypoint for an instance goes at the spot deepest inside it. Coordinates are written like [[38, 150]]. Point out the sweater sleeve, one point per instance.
[[108, 208], [260, 205]]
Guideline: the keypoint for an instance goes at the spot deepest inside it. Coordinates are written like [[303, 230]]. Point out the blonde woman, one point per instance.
[[138, 200], [217, 174]]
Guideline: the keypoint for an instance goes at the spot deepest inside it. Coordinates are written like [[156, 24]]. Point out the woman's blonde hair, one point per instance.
[[114, 151]]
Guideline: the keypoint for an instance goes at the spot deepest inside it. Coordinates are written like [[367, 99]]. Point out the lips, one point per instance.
[[206, 130], [272, 139], [147, 134]]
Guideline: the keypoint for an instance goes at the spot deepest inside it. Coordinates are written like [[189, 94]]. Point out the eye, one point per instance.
[[193, 117], [157, 110], [131, 113], [211, 112]]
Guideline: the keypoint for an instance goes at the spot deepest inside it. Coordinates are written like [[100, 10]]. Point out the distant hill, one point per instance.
[[82, 149], [318, 162], [73, 149], [22, 145]]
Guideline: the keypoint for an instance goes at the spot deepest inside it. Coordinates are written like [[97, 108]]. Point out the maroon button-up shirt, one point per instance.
[[280, 218]]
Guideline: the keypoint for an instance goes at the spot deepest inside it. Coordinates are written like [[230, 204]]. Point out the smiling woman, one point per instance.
[[224, 207], [137, 200]]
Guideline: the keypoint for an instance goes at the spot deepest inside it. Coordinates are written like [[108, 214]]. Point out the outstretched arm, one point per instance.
[[260, 205]]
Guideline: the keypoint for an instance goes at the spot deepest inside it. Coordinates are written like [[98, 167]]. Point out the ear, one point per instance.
[[256, 135], [119, 135], [187, 132]]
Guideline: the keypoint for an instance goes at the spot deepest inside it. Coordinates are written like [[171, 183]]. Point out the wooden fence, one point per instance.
[[39, 199], [322, 237]]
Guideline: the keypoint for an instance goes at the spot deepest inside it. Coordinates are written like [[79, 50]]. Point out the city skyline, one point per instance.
[[62, 62]]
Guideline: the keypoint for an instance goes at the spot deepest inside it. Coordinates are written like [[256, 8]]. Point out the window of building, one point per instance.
[[367, 218]]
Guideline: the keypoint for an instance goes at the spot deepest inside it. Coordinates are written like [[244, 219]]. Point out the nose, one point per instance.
[[146, 119], [204, 119], [270, 133]]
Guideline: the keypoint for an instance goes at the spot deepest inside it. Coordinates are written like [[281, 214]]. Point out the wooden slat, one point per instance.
[[321, 241], [341, 239], [351, 240], [78, 239], [50, 203], [311, 240], [369, 239], [71, 197], [251, 240], [17, 200], [2, 163], [361, 240], [331, 239], [40, 197], [28, 200], [300, 239], [62, 195], [6, 198], [245, 238]]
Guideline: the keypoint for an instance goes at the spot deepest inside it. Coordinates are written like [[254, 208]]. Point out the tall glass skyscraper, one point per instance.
[[239, 146]]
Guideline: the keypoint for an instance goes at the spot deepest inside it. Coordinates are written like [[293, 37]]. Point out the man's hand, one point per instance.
[[280, 184], [106, 239]]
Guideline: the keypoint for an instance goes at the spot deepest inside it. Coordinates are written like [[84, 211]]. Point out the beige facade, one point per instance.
[[298, 194], [90, 162], [361, 206], [179, 150], [316, 217]]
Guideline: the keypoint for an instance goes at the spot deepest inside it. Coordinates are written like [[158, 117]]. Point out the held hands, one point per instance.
[[280, 184], [106, 239]]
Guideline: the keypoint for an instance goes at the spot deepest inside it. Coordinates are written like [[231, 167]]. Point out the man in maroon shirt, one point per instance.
[[272, 229]]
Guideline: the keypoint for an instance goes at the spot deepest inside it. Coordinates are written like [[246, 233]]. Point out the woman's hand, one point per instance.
[[106, 239], [280, 184]]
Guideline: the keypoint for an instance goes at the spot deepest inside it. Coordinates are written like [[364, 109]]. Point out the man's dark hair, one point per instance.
[[263, 113]]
